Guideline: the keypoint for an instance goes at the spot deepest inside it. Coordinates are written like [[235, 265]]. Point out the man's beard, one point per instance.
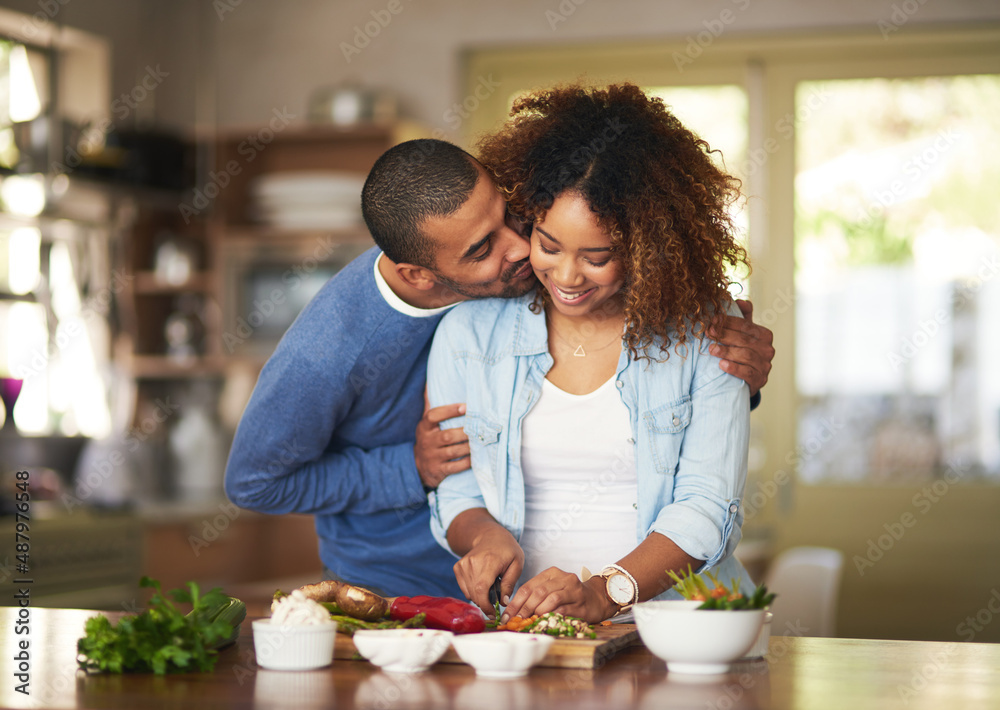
[[505, 287]]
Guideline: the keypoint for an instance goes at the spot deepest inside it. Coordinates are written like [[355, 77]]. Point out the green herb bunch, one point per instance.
[[719, 596], [161, 639]]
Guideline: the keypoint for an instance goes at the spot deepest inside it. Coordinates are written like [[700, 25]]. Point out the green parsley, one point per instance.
[[162, 639]]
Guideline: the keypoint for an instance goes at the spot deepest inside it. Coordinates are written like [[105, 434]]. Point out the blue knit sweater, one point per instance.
[[329, 431]]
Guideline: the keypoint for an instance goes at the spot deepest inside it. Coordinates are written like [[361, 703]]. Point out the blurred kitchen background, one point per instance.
[[178, 178]]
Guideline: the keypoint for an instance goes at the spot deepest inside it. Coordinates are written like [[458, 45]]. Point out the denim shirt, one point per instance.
[[690, 426]]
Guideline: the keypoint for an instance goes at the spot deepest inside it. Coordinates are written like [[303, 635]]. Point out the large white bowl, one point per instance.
[[760, 646], [694, 640], [293, 648], [502, 654], [402, 650]]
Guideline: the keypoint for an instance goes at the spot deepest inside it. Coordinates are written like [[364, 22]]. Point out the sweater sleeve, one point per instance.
[[446, 384], [279, 461]]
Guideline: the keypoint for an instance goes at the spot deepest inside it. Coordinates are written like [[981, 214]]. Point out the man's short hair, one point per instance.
[[409, 183]]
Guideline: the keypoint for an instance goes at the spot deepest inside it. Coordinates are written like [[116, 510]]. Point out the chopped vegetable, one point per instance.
[[517, 623], [552, 624], [718, 596], [161, 639], [348, 624]]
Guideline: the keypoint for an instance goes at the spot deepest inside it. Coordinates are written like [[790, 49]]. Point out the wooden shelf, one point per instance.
[[168, 368], [147, 283], [256, 233]]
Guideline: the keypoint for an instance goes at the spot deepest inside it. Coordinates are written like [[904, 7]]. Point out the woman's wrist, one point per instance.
[[606, 607]]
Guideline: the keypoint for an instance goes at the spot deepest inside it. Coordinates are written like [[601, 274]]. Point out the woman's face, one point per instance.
[[571, 256]]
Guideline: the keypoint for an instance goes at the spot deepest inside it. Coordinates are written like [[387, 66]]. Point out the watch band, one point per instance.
[[611, 569]]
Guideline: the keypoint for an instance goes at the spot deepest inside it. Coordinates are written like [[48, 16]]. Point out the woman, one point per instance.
[[604, 436]]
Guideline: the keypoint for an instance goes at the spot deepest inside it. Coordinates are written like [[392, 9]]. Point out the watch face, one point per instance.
[[620, 589]]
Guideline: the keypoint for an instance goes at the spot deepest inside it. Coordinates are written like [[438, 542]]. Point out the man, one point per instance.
[[329, 429]]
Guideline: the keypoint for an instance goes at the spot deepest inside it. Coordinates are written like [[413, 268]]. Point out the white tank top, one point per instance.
[[580, 481]]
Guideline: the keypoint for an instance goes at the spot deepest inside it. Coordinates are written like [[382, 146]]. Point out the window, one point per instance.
[[896, 467], [54, 335], [790, 117], [897, 250]]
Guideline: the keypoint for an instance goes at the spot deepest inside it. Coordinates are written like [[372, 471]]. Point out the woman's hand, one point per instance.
[[495, 553], [564, 593]]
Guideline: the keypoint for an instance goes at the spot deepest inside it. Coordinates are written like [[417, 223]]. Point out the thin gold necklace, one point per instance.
[[580, 352]]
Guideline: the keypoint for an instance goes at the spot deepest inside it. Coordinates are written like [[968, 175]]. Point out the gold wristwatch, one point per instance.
[[620, 586]]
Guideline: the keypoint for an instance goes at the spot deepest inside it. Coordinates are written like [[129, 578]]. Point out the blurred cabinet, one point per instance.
[[271, 259], [210, 283], [229, 548]]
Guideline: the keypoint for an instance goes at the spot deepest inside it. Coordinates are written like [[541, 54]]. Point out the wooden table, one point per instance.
[[798, 673]]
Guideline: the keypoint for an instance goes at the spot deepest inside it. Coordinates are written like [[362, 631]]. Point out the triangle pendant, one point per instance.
[[579, 352]]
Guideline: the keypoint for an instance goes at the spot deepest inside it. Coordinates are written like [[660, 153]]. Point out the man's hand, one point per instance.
[[440, 453], [745, 348]]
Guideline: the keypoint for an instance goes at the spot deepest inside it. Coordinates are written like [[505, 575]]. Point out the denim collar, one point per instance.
[[531, 335]]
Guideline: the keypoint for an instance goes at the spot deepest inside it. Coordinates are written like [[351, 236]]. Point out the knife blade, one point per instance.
[[496, 594]]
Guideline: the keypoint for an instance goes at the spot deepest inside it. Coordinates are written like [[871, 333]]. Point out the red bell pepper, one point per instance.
[[445, 613]]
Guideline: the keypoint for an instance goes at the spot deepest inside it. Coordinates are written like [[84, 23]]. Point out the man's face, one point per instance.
[[478, 252]]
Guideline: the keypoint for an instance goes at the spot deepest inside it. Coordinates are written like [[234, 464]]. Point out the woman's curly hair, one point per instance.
[[652, 185]]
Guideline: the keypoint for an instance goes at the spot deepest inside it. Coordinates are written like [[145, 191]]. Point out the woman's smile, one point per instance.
[[570, 297], [571, 255]]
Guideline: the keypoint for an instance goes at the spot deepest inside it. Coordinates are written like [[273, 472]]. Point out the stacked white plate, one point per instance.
[[308, 199]]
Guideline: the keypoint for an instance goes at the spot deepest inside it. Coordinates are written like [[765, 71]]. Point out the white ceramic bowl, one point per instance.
[[293, 648], [760, 646], [502, 654], [694, 640], [402, 650]]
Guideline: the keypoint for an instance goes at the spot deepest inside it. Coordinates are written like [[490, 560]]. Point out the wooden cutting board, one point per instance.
[[564, 653]]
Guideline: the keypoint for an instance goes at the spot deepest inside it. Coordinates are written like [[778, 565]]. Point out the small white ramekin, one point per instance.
[[293, 648]]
